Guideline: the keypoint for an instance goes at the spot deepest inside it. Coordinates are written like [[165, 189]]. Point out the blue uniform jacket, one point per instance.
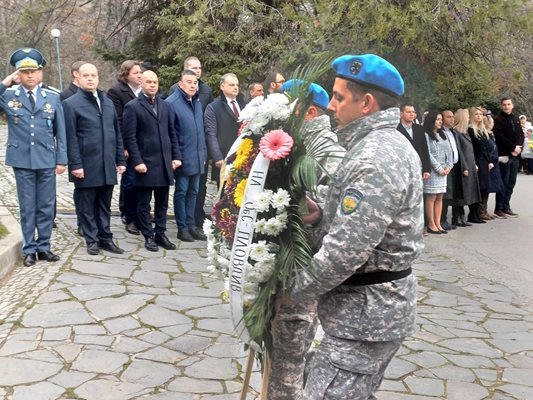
[[189, 125], [36, 138]]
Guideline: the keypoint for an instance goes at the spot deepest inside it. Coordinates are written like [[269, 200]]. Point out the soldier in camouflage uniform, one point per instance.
[[371, 232], [294, 325]]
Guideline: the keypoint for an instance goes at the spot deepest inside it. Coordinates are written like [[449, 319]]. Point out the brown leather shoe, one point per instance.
[[132, 228], [510, 213], [500, 214], [485, 217]]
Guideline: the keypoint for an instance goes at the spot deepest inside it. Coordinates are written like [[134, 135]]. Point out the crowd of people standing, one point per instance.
[[465, 156]]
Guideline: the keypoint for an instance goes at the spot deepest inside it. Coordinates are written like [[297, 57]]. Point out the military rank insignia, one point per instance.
[[356, 67], [14, 104], [350, 201]]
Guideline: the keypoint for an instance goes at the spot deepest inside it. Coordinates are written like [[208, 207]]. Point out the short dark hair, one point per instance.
[[271, 77], [125, 69], [403, 105], [75, 67], [383, 99], [504, 99], [186, 72]]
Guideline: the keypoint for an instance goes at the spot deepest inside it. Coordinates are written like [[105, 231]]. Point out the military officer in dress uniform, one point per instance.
[[36, 149], [371, 229]]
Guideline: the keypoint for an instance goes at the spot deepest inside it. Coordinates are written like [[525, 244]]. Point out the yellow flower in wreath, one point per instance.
[[243, 153], [239, 192]]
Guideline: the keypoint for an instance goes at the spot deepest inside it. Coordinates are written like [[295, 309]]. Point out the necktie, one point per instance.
[[235, 111], [151, 100], [31, 99]]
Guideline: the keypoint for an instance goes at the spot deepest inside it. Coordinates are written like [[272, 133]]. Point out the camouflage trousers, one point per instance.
[[346, 369], [293, 330]]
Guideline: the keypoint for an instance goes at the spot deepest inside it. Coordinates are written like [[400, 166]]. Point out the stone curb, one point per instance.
[[10, 246]]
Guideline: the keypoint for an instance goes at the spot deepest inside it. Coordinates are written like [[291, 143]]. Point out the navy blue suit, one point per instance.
[[94, 144], [150, 139], [36, 143]]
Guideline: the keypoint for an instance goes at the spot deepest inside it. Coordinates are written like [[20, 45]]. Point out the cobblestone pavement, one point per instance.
[[152, 326]]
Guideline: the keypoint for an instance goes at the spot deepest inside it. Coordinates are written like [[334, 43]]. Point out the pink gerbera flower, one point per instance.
[[276, 144]]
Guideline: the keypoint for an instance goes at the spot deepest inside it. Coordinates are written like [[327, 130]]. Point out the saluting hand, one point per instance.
[[13, 78], [141, 168]]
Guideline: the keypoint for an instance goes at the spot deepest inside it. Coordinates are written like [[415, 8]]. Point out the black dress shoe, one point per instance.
[[111, 247], [54, 225], [80, 231], [163, 241], [93, 249], [185, 236], [150, 244], [197, 234], [444, 232], [433, 232], [132, 228], [446, 226], [476, 221], [29, 260], [47, 256]]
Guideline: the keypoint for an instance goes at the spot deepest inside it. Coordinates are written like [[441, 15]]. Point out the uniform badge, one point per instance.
[[350, 201], [48, 108], [356, 67], [14, 104]]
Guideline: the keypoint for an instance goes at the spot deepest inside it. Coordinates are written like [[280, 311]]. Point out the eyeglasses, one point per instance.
[[282, 82]]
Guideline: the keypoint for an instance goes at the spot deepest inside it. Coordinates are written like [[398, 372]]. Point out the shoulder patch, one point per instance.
[[350, 201]]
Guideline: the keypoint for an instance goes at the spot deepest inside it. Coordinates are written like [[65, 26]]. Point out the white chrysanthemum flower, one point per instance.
[[262, 202], [273, 227], [225, 251], [256, 125], [211, 269], [259, 251], [248, 299], [206, 227], [250, 287], [211, 246], [251, 109], [283, 218], [281, 199], [226, 283], [265, 269], [260, 225], [223, 262]]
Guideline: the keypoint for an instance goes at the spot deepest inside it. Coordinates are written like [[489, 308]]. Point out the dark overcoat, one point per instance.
[[94, 142], [418, 141], [221, 127], [120, 94], [470, 183], [483, 159], [189, 127], [150, 139]]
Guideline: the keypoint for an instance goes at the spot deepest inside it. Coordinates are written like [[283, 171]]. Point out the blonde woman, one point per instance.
[[482, 150], [441, 160], [470, 194]]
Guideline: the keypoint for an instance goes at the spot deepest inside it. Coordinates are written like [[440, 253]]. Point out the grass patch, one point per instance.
[[3, 231]]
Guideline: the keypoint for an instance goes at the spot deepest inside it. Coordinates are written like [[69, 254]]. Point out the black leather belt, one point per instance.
[[373, 278]]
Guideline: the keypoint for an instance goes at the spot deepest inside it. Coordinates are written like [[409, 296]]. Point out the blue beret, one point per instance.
[[27, 58], [370, 70], [320, 96]]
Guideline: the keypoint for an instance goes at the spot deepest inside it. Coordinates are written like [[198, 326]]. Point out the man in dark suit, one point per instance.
[[36, 149], [96, 155], [415, 134], [127, 89], [75, 84], [151, 142], [221, 122]]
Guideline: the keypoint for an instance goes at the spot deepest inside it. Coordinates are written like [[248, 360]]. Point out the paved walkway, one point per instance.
[[152, 326]]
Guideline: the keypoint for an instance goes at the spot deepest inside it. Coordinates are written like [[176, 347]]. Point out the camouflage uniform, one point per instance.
[[294, 325], [372, 221]]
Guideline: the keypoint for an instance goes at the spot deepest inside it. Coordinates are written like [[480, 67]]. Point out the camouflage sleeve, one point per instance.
[[361, 209]]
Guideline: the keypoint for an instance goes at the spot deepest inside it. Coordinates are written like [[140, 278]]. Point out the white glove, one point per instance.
[[503, 159]]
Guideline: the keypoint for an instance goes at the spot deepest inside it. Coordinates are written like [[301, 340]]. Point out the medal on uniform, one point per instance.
[[48, 108], [14, 104], [350, 201]]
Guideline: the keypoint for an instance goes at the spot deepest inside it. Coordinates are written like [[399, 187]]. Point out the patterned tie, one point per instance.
[[31, 99], [235, 111]]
